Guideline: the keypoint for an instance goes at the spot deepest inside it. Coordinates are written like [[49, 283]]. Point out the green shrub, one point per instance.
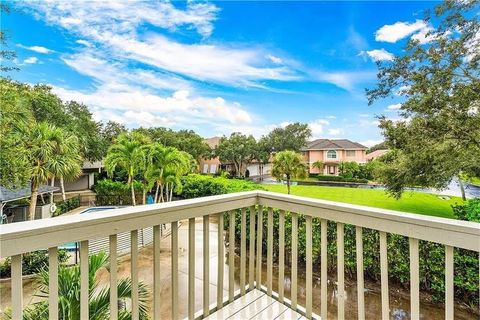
[[32, 262], [431, 255], [107, 187], [470, 211], [339, 179], [67, 205], [195, 185]]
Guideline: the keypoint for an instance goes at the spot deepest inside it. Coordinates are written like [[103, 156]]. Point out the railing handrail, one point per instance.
[[28, 236], [457, 233]]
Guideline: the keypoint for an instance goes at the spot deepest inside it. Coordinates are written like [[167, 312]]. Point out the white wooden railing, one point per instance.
[[19, 238]]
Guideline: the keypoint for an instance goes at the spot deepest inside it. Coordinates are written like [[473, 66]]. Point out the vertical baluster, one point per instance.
[[308, 297], [53, 283], [231, 257], [134, 273], [174, 227], [259, 247], [220, 265], [84, 280], [449, 314], [17, 287], [113, 277], [191, 268], [281, 256], [243, 250], [323, 268], [340, 271], [251, 250], [156, 272], [206, 265], [384, 275], [414, 280], [360, 280], [269, 251], [293, 289]]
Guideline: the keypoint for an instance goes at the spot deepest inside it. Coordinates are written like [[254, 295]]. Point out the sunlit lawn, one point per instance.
[[414, 202]]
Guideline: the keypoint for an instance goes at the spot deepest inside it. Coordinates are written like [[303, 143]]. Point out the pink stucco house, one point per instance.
[[331, 153]]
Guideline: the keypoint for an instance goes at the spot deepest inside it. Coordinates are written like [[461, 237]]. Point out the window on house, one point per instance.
[[350, 153], [332, 154]]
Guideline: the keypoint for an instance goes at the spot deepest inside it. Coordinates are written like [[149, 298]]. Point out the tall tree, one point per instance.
[[66, 161], [293, 137], [183, 140], [5, 54], [16, 121], [288, 164], [238, 149], [45, 143], [438, 136], [128, 153]]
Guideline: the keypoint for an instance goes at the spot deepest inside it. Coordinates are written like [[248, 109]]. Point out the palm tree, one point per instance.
[[162, 160], [66, 161], [288, 164], [318, 165], [99, 296], [45, 140], [128, 153]]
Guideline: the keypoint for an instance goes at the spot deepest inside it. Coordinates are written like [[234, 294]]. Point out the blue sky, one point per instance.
[[218, 67]]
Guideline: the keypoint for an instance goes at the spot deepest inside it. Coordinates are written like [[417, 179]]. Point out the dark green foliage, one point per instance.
[[438, 134], [107, 187], [432, 257], [67, 205], [470, 211], [32, 262], [337, 178], [195, 185], [293, 137]]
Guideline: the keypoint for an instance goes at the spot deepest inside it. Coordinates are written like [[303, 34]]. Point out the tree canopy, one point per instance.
[[184, 140], [293, 137], [238, 149], [438, 135]]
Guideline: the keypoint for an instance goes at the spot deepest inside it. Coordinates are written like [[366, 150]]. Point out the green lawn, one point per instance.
[[414, 202]]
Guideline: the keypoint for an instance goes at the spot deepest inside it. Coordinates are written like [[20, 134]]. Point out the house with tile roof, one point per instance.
[[331, 152]]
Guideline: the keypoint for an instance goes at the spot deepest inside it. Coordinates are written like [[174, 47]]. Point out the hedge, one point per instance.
[[431, 255], [32, 262], [67, 205], [195, 185], [337, 178]]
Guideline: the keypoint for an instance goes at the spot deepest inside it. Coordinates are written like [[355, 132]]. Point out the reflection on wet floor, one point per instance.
[[399, 301]]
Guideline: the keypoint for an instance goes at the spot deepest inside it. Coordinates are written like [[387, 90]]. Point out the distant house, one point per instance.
[[87, 178], [376, 154], [331, 153], [211, 166]]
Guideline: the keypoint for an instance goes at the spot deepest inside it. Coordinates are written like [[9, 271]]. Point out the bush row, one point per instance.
[[195, 185], [67, 205], [32, 262], [431, 255], [107, 187], [336, 178]]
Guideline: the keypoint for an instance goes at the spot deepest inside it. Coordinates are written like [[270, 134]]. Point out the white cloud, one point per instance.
[[274, 59], [423, 35], [399, 30], [84, 42], [394, 107], [335, 132], [38, 49], [378, 55], [30, 60], [331, 117], [317, 126], [345, 79], [116, 28], [370, 143]]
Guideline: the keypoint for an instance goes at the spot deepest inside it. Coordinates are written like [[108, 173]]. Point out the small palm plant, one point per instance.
[[288, 164], [319, 165], [69, 294]]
